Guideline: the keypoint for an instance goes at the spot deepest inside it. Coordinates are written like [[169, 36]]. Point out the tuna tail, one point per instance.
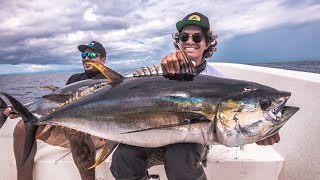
[[3, 117], [30, 125]]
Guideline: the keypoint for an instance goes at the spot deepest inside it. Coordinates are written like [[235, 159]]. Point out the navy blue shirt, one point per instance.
[[84, 76]]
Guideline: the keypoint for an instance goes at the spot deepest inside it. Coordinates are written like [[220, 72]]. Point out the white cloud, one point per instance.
[[48, 32], [90, 16], [256, 16], [126, 62]]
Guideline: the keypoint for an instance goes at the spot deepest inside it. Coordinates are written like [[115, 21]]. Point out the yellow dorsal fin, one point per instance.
[[107, 149], [189, 63], [110, 74]]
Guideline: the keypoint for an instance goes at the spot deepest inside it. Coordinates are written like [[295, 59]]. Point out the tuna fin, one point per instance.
[[60, 98], [29, 121], [52, 88], [110, 74], [190, 67], [3, 117], [188, 70], [186, 121], [105, 152]]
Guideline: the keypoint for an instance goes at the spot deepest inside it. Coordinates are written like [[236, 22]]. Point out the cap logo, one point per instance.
[[91, 44], [194, 18]]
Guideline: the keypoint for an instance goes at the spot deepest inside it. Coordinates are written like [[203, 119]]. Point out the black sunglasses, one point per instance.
[[195, 37]]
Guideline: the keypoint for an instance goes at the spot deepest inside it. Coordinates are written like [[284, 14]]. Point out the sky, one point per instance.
[[42, 36]]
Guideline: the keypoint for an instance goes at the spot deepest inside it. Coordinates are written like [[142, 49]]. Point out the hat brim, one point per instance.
[[83, 47], [181, 24]]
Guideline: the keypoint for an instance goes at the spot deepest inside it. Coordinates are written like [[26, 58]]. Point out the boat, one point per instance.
[[296, 157]]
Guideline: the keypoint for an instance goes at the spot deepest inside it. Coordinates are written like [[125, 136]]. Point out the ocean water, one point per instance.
[[305, 66], [26, 87]]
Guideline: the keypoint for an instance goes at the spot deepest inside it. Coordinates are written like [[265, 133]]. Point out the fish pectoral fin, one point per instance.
[[107, 149], [110, 74], [52, 88], [189, 65], [184, 120], [60, 98], [187, 69]]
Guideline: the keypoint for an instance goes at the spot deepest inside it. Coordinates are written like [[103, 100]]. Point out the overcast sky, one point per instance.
[[40, 35]]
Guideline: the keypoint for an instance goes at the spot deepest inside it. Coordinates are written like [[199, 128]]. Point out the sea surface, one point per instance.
[[305, 66], [26, 87]]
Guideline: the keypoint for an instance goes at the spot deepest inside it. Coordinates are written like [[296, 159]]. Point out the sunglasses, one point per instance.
[[91, 55], [195, 37]]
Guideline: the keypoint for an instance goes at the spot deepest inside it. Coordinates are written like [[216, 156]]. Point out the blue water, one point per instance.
[[305, 66], [26, 87]]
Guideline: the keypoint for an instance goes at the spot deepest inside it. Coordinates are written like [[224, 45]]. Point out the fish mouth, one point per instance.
[[277, 112], [287, 112]]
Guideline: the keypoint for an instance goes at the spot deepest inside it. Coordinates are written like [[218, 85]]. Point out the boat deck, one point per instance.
[[296, 157]]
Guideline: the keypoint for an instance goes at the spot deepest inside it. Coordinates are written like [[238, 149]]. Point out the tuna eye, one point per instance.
[[265, 103]]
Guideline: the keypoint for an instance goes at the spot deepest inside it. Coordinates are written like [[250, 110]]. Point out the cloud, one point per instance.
[[257, 16], [48, 32]]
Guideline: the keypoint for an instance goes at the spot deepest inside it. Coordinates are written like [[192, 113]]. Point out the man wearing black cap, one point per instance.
[[182, 161], [95, 52], [83, 147]]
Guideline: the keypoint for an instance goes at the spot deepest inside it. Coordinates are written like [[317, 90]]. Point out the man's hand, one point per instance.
[[173, 63], [176, 68], [270, 140], [9, 112]]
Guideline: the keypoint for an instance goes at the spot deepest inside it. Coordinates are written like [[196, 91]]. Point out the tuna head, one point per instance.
[[255, 114]]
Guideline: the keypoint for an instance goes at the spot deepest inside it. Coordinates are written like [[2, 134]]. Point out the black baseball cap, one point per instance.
[[196, 19], [95, 46]]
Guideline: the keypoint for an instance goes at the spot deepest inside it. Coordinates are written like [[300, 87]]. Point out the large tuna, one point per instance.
[[154, 111]]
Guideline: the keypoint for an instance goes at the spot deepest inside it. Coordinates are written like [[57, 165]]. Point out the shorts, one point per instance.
[[55, 136]]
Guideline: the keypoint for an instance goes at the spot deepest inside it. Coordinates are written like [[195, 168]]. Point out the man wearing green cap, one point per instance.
[[83, 146], [181, 160]]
